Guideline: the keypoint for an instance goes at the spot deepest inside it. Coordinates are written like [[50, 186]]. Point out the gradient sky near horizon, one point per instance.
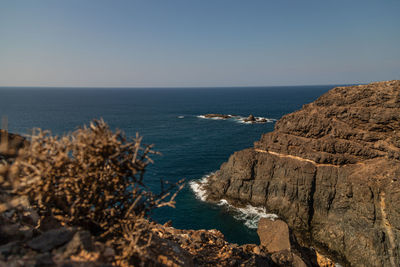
[[186, 43]]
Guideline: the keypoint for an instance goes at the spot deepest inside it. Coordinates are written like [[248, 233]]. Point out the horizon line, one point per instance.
[[172, 87]]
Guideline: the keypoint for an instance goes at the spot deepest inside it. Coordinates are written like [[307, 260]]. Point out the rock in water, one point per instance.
[[218, 116], [251, 118], [331, 171]]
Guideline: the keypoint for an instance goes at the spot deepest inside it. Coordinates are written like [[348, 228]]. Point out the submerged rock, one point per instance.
[[250, 118], [218, 116], [331, 171]]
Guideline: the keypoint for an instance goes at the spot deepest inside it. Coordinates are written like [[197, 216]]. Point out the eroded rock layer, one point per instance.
[[332, 171]]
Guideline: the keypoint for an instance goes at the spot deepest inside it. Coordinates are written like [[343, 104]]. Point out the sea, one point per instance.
[[192, 147]]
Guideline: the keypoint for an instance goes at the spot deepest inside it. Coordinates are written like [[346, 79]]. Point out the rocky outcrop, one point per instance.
[[331, 171], [51, 244], [218, 116], [250, 119]]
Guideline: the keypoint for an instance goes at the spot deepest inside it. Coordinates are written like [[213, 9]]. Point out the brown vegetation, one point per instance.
[[92, 178], [81, 200]]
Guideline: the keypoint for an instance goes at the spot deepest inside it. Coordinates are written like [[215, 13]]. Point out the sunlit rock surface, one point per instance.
[[331, 171]]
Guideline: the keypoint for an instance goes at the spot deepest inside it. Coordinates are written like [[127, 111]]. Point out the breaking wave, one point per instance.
[[198, 187], [239, 119], [249, 214], [211, 118]]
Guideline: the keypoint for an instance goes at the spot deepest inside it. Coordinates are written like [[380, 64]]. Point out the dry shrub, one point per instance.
[[92, 177]]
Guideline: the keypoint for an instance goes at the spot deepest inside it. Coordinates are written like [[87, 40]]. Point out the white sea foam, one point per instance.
[[222, 202], [181, 117], [239, 119], [198, 187], [210, 118], [249, 215]]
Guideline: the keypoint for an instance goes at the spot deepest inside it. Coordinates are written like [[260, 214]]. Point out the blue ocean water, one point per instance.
[[191, 147]]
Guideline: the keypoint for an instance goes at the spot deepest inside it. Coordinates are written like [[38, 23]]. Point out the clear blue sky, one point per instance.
[[198, 43]]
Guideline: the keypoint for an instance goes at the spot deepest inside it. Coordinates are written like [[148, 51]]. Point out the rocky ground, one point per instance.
[[23, 243], [331, 171], [29, 237]]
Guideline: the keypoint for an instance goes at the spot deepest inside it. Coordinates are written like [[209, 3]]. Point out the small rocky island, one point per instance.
[[331, 171], [250, 119]]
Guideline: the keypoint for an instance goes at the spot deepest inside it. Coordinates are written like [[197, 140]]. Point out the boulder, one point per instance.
[[82, 240], [10, 144], [51, 239], [274, 235], [251, 118], [287, 258]]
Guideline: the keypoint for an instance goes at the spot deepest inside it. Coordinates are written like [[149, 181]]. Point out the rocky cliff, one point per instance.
[[31, 237], [330, 170]]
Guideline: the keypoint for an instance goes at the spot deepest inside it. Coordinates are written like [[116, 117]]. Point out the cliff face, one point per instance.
[[332, 171], [31, 237]]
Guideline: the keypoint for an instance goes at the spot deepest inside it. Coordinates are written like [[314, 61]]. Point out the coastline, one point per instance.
[[322, 171], [247, 214]]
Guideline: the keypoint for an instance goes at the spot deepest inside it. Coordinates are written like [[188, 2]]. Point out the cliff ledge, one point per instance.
[[330, 170]]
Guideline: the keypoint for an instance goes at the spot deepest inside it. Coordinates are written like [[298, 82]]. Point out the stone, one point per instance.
[[82, 240], [287, 258], [218, 116], [51, 239], [10, 248], [10, 232], [44, 259], [298, 262], [256, 250], [108, 252], [10, 144], [282, 258], [323, 261], [199, 237], [251, 118], [274, 235]]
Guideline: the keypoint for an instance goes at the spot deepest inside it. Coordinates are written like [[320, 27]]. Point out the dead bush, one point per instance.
[[92, 177]]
